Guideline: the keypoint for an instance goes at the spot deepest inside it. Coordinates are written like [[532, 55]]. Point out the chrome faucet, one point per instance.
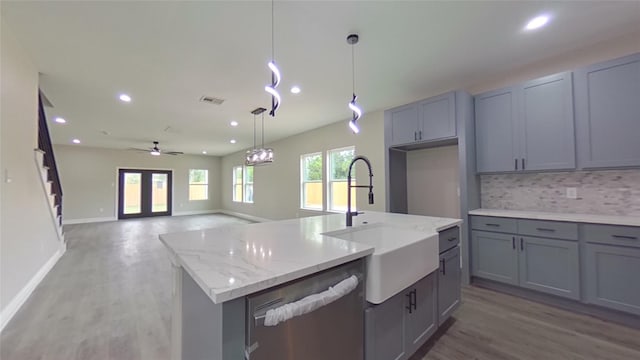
[[351, 214]]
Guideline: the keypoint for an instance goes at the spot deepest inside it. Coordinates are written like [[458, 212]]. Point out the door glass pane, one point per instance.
[[132, 188], [159, 184]]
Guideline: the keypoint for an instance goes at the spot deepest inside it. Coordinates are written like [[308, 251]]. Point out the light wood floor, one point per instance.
[[109, 298]]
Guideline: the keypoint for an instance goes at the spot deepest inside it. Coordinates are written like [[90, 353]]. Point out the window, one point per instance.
[[248, 184], [338, 160], [198, 184], [237, 183], [311, 179]]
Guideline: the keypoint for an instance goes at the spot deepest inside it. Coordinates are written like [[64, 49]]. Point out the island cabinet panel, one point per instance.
[[437, 117], [494, 256], [550, 266], [608, 113], [395, 329], [495, 120], [404, 124], [449, 284], [384, 330]]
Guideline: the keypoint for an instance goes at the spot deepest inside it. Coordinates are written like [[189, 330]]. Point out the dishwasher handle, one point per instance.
[[307, 304]]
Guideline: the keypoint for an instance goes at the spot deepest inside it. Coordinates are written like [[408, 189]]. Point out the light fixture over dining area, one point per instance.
[[262, 155]]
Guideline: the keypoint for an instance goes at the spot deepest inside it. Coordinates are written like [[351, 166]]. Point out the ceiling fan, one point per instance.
[[155, 150]]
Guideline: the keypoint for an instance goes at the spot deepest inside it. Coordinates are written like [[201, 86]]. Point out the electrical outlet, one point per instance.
[[572, 193]]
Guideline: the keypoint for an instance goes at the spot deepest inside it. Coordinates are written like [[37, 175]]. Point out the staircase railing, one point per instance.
[[44, 144]]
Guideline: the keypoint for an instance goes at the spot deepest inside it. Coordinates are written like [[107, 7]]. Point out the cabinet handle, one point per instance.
[[513, 242], [521, 244], [415, 136], [516, 163], [420, 134], [452, 239], [626, 237], [443, 264], [415, 299], [409, 307], [494, 225], [545, 229], [523, 167]]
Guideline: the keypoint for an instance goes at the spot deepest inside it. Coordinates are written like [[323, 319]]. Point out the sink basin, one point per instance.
[[401, 257]]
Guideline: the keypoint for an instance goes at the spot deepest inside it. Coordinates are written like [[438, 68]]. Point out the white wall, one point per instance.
[[89, 180], [28, 238], [433, 181], [277, 186]]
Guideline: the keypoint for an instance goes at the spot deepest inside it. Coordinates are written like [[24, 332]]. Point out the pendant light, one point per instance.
[[352, 40], [275, 75], [262, 155]]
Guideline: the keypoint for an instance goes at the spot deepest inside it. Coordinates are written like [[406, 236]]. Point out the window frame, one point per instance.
[[205, 184], [246, 183], [240, 198], [330, 181], [303, 157]]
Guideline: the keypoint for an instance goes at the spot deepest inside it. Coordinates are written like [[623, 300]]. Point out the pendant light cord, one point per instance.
[[353, 69], [254, 131], [263, 130], [273, 53]]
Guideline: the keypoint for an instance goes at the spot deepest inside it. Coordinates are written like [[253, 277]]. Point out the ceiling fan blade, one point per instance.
[[173, 153], [138, 149]]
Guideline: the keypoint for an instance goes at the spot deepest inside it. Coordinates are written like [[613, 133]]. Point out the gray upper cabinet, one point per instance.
[[494, 256], [550, 266], [436, 117], [430, 119], [546, 126], [404, 124], [607, 106], [495, 148], [526, 127], [449, 285]]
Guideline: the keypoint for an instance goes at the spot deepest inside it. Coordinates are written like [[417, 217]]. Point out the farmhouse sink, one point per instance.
[[401, 257]]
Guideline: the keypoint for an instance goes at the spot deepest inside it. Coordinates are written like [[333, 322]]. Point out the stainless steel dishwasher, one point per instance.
[[332, 331]]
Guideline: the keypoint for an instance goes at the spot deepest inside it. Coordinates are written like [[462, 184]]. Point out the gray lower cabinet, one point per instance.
[[395, 329], [612, 277], [550, 265], [608, 113], [494, 256], [449, 285]]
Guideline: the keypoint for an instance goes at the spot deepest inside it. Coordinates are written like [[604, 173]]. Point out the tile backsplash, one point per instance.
[[614, 192]]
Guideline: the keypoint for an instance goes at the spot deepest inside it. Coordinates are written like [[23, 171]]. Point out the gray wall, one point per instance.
[[612, 192], [277, 186], [89, 180], [27, 233]]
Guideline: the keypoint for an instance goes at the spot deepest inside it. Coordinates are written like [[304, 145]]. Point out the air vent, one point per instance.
[[212, 100]]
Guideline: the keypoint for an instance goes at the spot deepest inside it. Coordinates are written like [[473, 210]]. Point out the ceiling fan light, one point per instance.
[[155, 152]]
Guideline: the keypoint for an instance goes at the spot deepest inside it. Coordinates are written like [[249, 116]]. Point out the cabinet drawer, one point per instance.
[[612, 235], [449, 238], [548, 229], [496, 224]]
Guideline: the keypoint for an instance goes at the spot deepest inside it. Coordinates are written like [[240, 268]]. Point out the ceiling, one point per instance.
[[166, 55]]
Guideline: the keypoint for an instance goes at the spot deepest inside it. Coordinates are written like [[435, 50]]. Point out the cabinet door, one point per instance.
[[384, 329], [612, 277], [421, 323], [494, 256], [546, 124], [495, 118], [404, 124], [437, 117], [550, 266], [449, 284], [608, 113]]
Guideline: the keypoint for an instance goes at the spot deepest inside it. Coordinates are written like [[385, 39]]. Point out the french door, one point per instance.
[[143, 193]]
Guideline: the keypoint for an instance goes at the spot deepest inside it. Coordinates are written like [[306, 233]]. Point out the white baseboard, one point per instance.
[[245, 216], [88, 220], [12, 308], [195, 212]]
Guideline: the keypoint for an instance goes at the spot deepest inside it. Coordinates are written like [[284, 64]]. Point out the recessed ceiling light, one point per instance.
[[76, 141], [537, 22], [125, 97], [295, 90], [234, 123], [233, 141], [60, 120], [204, 152]]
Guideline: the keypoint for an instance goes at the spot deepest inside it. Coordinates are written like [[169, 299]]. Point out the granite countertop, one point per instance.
[[580, 218], [233, 261]]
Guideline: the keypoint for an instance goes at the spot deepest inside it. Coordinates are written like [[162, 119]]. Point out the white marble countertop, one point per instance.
[[581, 218], [233, 261]]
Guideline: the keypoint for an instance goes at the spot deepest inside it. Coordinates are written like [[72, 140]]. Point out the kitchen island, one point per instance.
[[216, 269]]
